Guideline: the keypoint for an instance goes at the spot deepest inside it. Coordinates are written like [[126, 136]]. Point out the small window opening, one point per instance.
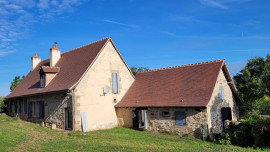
[[166, 114]]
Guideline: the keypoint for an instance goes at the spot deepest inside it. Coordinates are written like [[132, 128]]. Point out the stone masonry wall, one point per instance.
[[194, 119], [54, 108], [215, 105]]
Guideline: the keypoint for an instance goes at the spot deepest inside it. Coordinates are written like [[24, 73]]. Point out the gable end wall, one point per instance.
[[89, 97], [214, 106]]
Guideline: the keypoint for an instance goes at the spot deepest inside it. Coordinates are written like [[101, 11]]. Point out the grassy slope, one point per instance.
[[17, 135]]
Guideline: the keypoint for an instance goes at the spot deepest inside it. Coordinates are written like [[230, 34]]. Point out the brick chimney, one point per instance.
[[35, 60], [55, 55]]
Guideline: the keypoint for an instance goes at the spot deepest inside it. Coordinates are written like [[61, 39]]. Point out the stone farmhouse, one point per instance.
[[91, 88]]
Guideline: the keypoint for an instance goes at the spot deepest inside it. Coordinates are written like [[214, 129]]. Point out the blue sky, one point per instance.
[[152, 34]]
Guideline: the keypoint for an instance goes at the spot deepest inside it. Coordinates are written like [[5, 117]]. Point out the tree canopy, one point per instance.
[[15, 82], [253, 84], [135, 70]]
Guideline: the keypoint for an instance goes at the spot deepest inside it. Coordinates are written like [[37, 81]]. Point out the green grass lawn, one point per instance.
[[17, 135]]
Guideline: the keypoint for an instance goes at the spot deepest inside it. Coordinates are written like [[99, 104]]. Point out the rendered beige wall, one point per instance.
[[89, 97], [215, 105], [49, 77], [124, 116]]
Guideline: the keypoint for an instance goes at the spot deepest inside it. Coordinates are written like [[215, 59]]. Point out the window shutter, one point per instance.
[[180, 118], [16, 106], [221, 90], [20, 106], [115, 77], [30, 109], [41, 109], [25, 106]]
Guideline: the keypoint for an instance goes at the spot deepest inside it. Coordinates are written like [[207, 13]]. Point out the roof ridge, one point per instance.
[[180, 66], [86, 45], [80, 47]]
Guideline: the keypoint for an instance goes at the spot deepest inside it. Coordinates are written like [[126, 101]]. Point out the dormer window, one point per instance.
[[47, 74], [42, 80]]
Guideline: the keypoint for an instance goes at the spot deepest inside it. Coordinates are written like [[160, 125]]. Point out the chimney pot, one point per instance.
[[35, 60], [55, 55]]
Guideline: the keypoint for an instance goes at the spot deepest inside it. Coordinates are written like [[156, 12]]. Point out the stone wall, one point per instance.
[[215, 104], [195, 117], [54, 108]]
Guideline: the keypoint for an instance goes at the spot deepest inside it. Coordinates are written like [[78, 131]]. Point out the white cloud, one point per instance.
[[2, 53], [213, 3], [16, 18], [119, 23], [167, 33], [43, 4]]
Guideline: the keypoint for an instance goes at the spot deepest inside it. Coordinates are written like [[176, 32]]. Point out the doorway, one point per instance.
[[68, 119], [140, 119]]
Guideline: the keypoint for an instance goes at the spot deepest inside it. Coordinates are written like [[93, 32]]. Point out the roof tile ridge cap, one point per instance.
[[87, 44], [186, 65], [50, 66]]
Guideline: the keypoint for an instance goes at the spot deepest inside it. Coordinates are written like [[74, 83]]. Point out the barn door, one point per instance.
[[135, 116], [68, 119], [226, 114]]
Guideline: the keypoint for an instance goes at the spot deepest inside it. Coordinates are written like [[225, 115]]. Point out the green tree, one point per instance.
[[3, 105], [135, 70], [253, 84], [15, 82]]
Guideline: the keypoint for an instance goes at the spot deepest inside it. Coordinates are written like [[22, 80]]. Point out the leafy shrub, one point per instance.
[[252, 132], [3, 105], [224, 139]]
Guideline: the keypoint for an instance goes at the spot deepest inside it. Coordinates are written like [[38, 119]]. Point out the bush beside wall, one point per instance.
[[3, 105], [252, 132]]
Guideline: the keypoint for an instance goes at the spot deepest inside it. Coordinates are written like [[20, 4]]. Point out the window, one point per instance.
[[38, 109], [115, 83], [41, 109], [42, 80], [35, 109], [221, 91], [25, 106], [180, 118], [29, 109], [166, 114]]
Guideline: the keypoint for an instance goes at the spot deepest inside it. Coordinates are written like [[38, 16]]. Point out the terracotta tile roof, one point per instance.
[[48, 69], [73, 64], [181, 86]]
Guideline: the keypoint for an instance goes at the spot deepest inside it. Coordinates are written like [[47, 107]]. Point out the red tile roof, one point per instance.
[[73, 65], [48, 69], [182, 86]]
